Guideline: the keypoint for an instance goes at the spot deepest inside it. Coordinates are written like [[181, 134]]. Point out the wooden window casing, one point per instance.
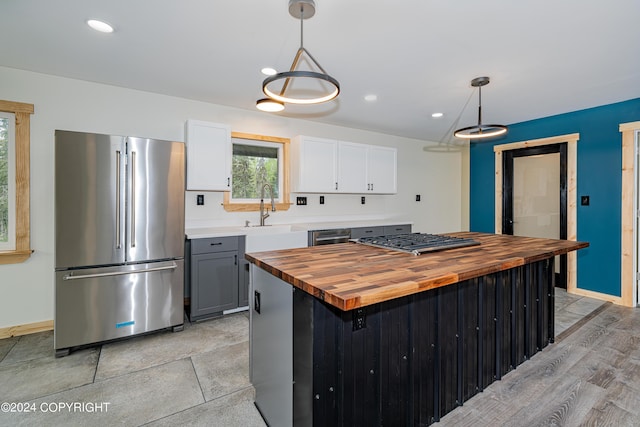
[[22, 114]]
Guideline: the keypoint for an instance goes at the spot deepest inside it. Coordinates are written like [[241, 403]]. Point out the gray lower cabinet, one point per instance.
[[358, 232], [217, 278], [397, 229], [386, 230]]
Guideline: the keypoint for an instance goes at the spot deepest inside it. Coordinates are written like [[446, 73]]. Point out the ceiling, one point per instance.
[[544, 57]]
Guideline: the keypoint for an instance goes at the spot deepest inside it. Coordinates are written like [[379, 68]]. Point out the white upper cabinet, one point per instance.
[[208, 156], [313, 165], [352, 167], [329, 166], [382, 170]]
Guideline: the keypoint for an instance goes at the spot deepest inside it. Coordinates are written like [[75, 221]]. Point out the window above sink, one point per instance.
[[257, 160]]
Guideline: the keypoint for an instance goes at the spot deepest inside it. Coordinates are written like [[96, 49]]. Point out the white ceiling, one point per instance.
[[544, 57]]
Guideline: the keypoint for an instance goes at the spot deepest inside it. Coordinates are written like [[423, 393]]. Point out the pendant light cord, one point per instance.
[[479, 106], [454, 125], [301, 27]]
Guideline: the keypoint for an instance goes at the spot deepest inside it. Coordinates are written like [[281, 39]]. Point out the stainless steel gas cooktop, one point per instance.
[[417, 243]]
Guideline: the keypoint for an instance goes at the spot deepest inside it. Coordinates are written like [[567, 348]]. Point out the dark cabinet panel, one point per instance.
[[243, 283], [216, 275]]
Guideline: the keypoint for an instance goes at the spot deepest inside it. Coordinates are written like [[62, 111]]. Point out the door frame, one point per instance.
[[507, 188], [572, 224], [628, 266]]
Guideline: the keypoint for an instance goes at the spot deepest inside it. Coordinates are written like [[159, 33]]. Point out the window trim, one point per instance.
[[284, 203], [22, 128]]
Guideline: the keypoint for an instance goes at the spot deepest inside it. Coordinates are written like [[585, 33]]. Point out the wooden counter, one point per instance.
[[350, 275]]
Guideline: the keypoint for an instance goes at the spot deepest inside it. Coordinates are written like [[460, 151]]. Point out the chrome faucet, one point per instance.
[[263, 213]]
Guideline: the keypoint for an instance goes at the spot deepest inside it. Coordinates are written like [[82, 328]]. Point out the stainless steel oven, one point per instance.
[[329, 237]]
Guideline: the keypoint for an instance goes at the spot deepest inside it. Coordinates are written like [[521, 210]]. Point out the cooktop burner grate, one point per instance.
[[417, 243]]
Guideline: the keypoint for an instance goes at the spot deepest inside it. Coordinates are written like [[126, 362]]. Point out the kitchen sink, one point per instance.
[[267, 229], [274, 237]]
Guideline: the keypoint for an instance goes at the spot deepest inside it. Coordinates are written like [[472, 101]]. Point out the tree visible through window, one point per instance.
[[254, 164], [7, 181], [256, 160]]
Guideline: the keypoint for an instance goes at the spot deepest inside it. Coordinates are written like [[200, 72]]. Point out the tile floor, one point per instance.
[[191, 378]]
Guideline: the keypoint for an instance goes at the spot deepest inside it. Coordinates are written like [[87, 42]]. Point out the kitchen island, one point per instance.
[[349, 334]]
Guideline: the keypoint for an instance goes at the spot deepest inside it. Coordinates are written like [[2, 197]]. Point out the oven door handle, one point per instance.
[[327, 239]]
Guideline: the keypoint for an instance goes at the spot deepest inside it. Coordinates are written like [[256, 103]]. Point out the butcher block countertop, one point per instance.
[[351, 275]]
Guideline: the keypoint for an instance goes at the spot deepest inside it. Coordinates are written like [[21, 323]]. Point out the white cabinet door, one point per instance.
[[208, 156], [313, 167], [352, 167], [382, 170]]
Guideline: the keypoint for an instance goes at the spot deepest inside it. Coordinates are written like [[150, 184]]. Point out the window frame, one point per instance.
[[284, 201], [22, 113]]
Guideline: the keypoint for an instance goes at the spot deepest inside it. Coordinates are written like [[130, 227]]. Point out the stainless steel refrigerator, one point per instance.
[[119, 219]]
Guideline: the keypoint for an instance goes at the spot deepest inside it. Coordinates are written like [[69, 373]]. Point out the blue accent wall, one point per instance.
[[599, 176]]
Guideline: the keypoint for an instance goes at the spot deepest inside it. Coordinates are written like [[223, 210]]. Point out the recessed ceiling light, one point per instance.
[[437, 115], [268, 71], [371, 97], [101, 26]]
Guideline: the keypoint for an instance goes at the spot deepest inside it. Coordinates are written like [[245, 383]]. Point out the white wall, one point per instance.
[[26, 290]]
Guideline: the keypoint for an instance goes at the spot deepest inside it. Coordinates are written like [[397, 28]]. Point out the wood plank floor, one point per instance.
[[589, 377]]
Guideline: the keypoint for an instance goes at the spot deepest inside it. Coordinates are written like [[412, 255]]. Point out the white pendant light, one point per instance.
[[302, 9], [269, 105], [480, 130]]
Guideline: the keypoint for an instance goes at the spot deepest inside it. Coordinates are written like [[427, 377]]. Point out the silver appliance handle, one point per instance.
[[119, 273], [118, 219], [133, 199], [332, 238]]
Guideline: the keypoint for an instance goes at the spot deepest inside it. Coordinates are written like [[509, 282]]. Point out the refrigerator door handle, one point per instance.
[[118, 219], [133, 199], [119, 273]]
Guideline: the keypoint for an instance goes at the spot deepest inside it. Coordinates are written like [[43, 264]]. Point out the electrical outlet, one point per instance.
[[200, 199], [322, 200], [362, 200], [584, 200], [417, 197], [301, 201]]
